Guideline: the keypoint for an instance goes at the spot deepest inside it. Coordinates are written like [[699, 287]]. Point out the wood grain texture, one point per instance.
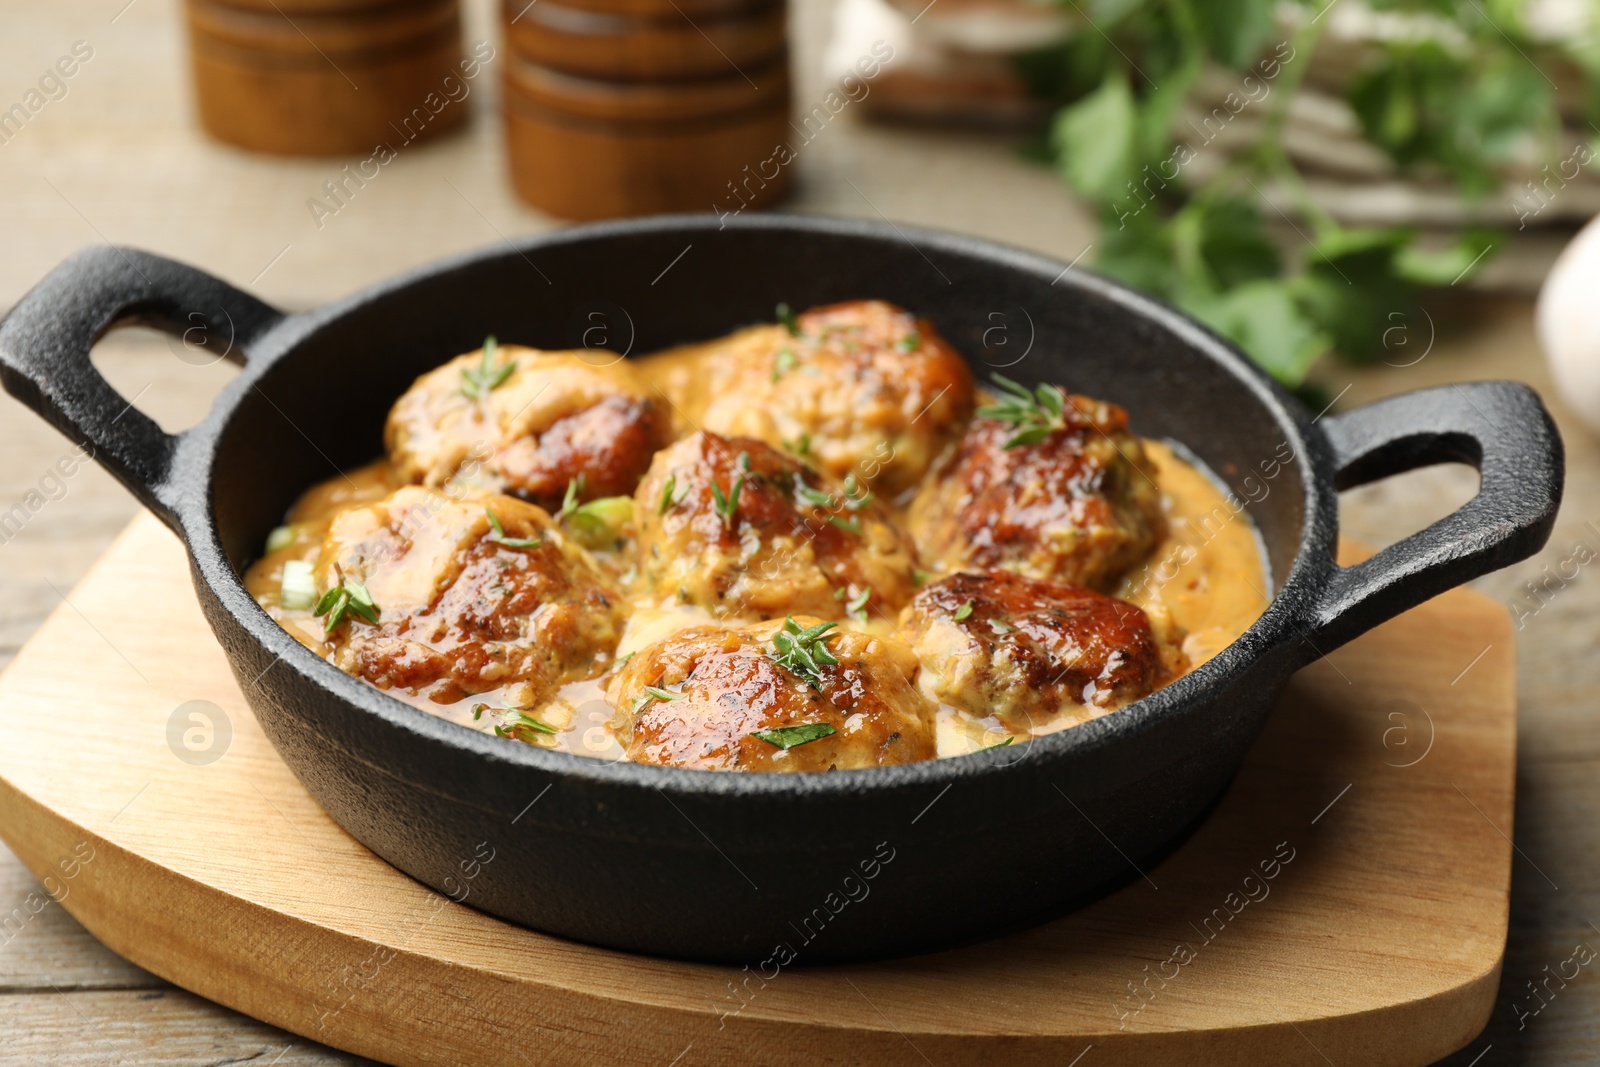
[[329, 82], [1377, 937]]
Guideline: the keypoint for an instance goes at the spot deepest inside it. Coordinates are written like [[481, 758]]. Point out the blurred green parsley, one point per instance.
[[1458, 101]]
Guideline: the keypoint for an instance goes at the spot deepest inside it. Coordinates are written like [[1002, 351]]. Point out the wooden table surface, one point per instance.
[[117, 158]]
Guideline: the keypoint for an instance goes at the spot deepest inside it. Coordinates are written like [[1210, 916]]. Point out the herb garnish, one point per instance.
[[510, 542], [655, 692], [518, 725], [280, 537], [851, 523], [600, 521], [963, 611], [486, 376], [857, 608], [999, 627], [569, 503], [801, 446], [784, 362], [790, 323], [856, 496], [909, 342], [998, 744], [801, 650], [1035, 414], [349, 597], [727, 504], [787, 737], [670, 496]]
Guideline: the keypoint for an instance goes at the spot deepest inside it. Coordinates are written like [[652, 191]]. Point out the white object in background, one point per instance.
[[1568, 322], [857, 26]]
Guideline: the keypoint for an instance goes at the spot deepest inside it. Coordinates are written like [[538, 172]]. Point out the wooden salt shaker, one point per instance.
[[631, 107], [328, 77]]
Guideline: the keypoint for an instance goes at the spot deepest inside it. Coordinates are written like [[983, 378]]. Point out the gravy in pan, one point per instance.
[[1205, 579]]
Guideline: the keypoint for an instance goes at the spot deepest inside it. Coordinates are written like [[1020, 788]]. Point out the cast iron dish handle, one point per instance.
[[1502, 429], [45, 342]]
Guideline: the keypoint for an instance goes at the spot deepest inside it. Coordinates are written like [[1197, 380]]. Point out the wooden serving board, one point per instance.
[[1346, 902]]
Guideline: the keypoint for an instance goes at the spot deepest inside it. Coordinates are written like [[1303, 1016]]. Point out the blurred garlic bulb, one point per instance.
[[1568, 322]]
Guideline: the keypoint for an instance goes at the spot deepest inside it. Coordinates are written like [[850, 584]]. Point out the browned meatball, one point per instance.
[[462, 608], [720, 699], [553, 417], [1031, 652], [862, 387], [1074, 501], [736, 527]]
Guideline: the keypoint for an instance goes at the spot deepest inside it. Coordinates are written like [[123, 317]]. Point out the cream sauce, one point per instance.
[[1205, 581]]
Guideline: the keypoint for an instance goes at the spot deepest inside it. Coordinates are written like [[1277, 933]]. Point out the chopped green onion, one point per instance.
[[787, 737], [784, 362], [280, 537], [299, 590], [599, 522]]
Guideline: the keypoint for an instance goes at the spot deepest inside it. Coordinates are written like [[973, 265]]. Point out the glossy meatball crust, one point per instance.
[[556, 416], [732, 687], [863, 387], [1032, 653], [783, 540], [462, 611], [1079, 506]]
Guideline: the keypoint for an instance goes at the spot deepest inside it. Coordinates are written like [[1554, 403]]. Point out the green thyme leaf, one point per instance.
[[997, 744], [347, 598], [801, 651], [851, 523], [486, 376], [519, 725], [816, 496], [963, 612], [787, 737], [857, 608], [790, 323], [499, 534], [671, 495], [1035, 414], [999, 627], [569, 503], [727, 503], [856, 495], [909, 342]]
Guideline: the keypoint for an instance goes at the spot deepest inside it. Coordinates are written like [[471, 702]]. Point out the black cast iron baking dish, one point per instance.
[[724, 866]]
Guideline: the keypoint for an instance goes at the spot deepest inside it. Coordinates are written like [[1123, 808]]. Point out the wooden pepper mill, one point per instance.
[[630, 107], [327, 77]]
